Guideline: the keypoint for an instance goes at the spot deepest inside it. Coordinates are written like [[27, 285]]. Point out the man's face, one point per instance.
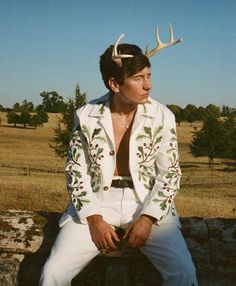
[[136, 88]]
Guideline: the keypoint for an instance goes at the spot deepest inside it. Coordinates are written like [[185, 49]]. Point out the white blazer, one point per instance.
[[153, 160]]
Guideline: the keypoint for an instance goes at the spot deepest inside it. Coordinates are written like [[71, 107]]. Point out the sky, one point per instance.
[[53, 45]]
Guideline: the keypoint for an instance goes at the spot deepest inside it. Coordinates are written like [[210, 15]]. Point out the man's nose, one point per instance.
[[147, 84]]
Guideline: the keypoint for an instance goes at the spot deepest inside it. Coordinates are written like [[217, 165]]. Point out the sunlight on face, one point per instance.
[[136, 88]]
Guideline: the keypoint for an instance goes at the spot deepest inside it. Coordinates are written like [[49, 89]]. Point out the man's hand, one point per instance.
[[102, 234], [138, 232]]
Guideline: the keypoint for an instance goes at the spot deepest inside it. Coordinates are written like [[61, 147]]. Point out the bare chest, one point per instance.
[[122, 138]]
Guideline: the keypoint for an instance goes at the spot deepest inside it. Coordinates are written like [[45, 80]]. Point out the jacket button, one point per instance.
[[112, 153], [106, 188]]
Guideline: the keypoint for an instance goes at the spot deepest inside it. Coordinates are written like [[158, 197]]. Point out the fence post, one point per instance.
[[28, 170]]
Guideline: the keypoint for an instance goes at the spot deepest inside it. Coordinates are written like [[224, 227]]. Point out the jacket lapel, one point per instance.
[[144, 111], [102, 112]]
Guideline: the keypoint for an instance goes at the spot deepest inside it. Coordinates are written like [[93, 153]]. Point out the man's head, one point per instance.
[[130, 66]]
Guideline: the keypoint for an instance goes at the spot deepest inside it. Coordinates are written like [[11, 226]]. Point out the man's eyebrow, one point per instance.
[[141, 75]]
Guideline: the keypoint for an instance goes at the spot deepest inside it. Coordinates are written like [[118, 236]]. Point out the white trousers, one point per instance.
[[74, 249]]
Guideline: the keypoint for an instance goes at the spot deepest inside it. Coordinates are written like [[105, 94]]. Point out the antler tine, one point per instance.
[[171, 34], [117, 57], [161, 45], [172, 41]]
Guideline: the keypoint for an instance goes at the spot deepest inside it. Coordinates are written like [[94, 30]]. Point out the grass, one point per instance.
[[27, 146], [31, 176]]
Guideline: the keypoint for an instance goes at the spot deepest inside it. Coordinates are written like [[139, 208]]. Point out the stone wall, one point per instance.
[[26, 239]]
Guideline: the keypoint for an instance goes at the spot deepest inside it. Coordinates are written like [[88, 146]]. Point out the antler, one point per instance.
[[161, 45], [117, 57]]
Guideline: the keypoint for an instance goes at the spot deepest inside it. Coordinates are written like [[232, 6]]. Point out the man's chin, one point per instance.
[[144, 100]]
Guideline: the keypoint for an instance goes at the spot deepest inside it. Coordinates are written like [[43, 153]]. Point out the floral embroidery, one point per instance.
[[95, 155], [147, 154], [74, 177], [174, 174], [102, 109], [172, 177], [73, 167], [148, 161]]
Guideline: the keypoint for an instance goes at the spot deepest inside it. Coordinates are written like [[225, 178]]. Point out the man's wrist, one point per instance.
[[94, 218], [149, 218]]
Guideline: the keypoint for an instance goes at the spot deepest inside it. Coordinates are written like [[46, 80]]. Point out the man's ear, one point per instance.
[[114, 86]]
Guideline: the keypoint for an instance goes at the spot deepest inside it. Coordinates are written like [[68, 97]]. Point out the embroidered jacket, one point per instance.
[[153, 159]]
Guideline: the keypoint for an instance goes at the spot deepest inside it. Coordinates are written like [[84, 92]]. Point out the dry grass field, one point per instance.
[[31, 176]]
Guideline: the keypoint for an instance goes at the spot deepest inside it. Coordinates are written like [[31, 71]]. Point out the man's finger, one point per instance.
[[111, 244], [127, 231], [114, 235], [105, 245]]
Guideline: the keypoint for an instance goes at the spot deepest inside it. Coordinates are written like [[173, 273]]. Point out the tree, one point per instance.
[[16, 107], [213, 111], [229, 138], [13, 118], [178, 112], [62, 133], [35, 120], [201, 113], [52, 102], [39, 107], [43, 116], [190, 113], [27, 105], [209, 141], [25, 117], [225, 110]]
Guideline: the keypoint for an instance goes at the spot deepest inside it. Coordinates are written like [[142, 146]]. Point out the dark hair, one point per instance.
[[130, 66]]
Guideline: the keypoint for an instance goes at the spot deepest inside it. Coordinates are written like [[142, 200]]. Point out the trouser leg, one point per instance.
[[168, 252], [71, 252], [74, 249]]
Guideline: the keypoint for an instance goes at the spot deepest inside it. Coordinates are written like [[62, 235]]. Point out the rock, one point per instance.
[[21, 231], [9, 268], [29, 236], [25, 231], [222, 242]]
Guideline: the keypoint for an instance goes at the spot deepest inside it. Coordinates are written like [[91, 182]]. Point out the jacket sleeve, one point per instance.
[[167, 182], [77, 175]]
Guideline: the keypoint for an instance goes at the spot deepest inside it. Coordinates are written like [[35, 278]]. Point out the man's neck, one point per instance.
[[118, 105]]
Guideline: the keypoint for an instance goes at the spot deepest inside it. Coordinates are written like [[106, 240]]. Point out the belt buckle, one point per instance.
[[123, 184]]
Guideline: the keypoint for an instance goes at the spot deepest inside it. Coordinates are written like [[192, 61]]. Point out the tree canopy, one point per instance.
[[216, 139], [52, 102], [62, 132]]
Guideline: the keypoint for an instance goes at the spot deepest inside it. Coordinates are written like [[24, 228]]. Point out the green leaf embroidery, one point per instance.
[[161, 194], [157, 130], [76, 174], [148, 131], [96, 131], [141, 136], [163, 205], [85, 130], [172, 130], [101, 110], [157, 140], [99, 138]]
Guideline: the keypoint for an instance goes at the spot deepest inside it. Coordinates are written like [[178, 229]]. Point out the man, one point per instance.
[[122, 171]]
